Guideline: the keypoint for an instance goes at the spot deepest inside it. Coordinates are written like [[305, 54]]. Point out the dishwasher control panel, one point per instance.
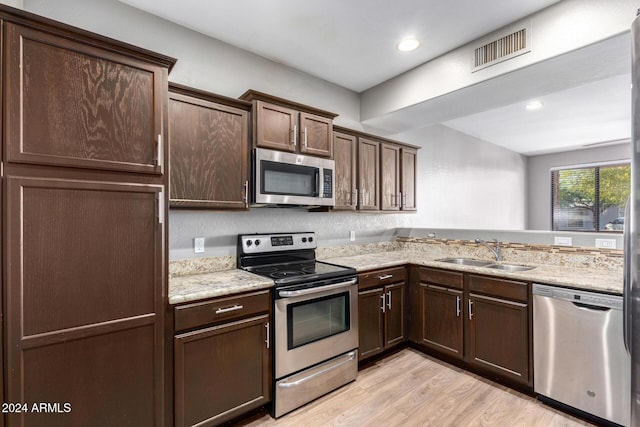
[[581, 297]]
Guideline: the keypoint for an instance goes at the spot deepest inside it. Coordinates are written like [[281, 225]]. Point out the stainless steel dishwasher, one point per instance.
[[578, 351]]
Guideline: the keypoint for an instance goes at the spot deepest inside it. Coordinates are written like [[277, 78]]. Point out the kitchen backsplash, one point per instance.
[[570, 256], [522, 253]]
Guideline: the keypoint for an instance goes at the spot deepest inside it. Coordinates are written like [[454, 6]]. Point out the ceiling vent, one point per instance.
[[506, 47]]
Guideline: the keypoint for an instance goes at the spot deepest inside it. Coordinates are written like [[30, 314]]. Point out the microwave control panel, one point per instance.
[[327, 190]]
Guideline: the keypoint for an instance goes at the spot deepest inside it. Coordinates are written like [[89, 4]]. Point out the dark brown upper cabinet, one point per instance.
[[383, 176], [209, 149], [368, 174], [73, 104], [390, 197], [284, 125], [408, 173], [344, 153]]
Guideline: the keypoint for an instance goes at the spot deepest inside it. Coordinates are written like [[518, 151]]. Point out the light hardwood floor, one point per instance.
[[409, 388]]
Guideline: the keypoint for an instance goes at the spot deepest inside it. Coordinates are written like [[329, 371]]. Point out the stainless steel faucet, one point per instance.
[[496, 252]]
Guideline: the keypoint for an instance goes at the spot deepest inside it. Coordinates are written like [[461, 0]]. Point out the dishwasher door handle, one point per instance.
[[590, 307]]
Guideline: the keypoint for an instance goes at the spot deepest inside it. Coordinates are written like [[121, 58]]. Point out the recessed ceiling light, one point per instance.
[[407, 45], [534, 105]]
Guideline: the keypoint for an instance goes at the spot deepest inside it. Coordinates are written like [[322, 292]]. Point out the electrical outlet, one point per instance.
[[198, 245], [606, 243], [562, 241], [352, 236]]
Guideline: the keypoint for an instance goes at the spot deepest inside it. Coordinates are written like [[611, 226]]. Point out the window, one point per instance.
[[590, 198]]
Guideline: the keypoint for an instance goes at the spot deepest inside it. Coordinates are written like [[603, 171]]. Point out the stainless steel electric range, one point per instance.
[[315, 316]]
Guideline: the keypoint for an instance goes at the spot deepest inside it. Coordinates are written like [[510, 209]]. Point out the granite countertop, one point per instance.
[[574, 277], [195, 287], [227, 282]]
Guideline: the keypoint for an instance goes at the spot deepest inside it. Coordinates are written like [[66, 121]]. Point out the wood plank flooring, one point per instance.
[[409, 388]]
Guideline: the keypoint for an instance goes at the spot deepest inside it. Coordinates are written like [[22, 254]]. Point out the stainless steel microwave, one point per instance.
[[288, 179]]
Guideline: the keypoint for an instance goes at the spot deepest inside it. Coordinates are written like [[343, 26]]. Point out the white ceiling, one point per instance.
[[591, 113], [352, 43]]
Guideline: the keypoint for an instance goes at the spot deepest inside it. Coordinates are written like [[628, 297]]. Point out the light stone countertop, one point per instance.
[[574, 277], [227, 282], [195, 287]]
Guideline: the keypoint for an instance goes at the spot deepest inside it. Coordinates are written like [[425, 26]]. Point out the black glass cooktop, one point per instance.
[[288, 273]]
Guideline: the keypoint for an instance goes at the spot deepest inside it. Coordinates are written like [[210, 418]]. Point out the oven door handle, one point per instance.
[[350, 357], [319, 289]]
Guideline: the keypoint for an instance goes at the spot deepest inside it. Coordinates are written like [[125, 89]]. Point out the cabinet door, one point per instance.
[[84, 308], [276, 127], [209, 154], [370, 322], [441, 318], [390, 177], [344, 150], [394, 331], [408, 178], [368, 174], [316, 135], [221, 372], [499, 336], [76, 105]]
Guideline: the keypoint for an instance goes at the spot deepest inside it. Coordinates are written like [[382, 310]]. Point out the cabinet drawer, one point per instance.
[[222, 309], [381, 277], [499, 288], [450, 279]]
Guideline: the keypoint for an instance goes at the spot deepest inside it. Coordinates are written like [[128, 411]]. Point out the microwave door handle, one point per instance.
[[318, 193]]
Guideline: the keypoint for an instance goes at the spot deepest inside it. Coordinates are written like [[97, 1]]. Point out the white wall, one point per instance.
[[203, 62], [539, 177], [14, 3], [464, 182]]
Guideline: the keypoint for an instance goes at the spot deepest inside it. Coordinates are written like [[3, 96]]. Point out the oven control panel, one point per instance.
[[261, 243]]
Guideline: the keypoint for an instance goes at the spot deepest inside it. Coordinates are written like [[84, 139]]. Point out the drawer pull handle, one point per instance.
[[228, 309], [385, 277]]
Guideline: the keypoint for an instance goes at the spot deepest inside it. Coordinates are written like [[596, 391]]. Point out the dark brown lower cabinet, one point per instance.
[[381, 306], [84, 307], [222, 370], [498, 333], [441, 323], [370, 322], [484, 322], [394, 330]]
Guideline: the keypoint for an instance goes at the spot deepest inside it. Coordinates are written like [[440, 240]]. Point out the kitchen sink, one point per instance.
[[510, 267], [465, 261]]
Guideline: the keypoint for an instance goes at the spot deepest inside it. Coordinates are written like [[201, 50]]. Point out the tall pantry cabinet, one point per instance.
[[84, 232]]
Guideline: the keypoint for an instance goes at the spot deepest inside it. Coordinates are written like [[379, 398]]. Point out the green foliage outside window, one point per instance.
[[591, 198]]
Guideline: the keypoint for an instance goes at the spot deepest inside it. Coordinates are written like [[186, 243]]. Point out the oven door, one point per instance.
[[290, 179], [314, 324]]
